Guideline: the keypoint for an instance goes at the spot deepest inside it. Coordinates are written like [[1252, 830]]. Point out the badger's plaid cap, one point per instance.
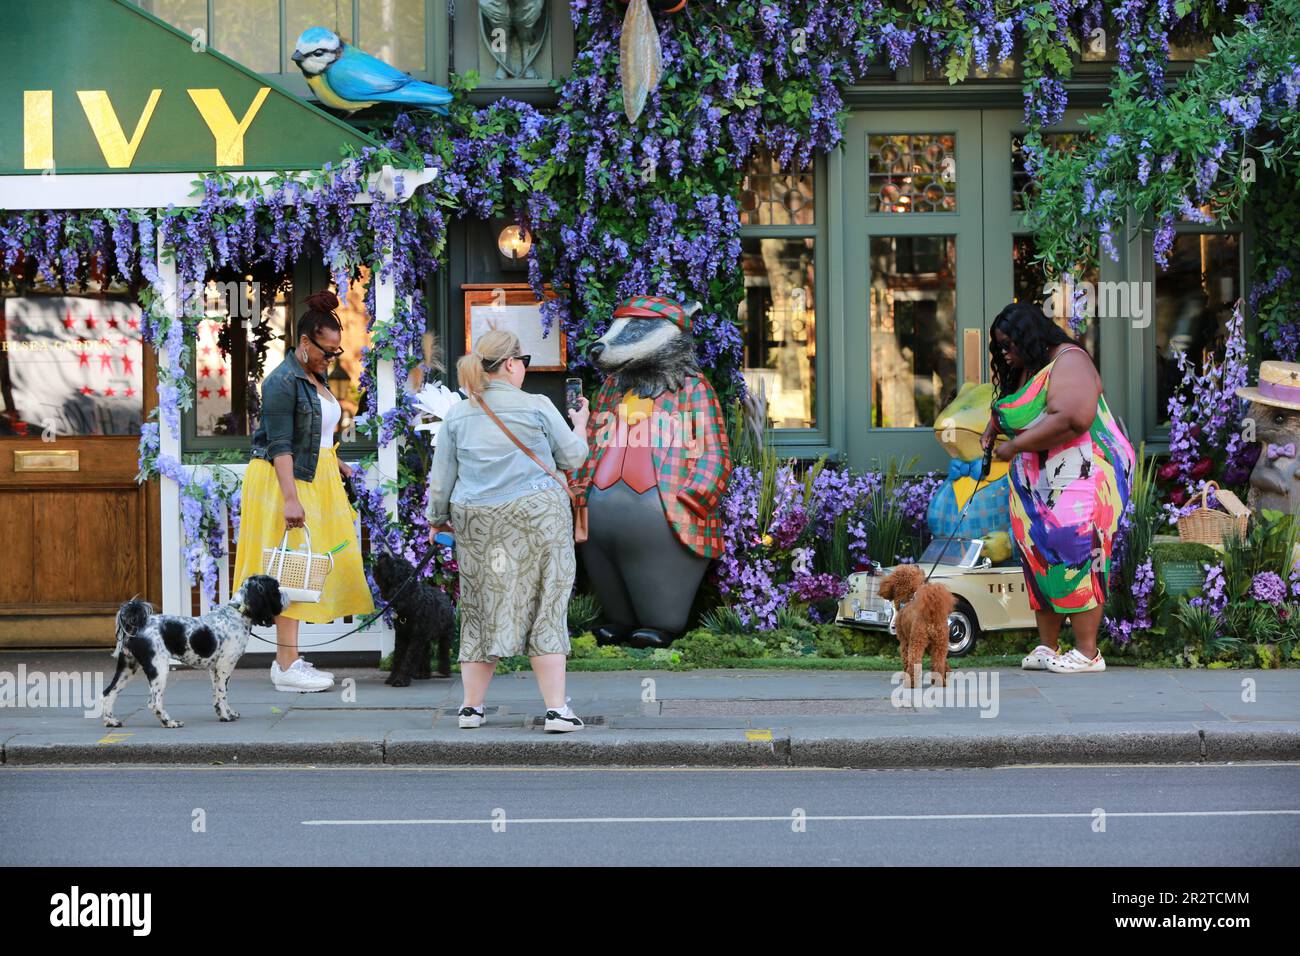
[[654, 307]]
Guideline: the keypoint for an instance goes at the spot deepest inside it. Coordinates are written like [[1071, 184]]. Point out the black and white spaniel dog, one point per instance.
[[147, 641]]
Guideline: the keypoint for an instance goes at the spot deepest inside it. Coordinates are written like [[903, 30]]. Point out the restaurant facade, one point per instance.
[[871, 274]]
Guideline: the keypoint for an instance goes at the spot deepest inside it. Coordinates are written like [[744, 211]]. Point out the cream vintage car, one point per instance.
[[989, 597]]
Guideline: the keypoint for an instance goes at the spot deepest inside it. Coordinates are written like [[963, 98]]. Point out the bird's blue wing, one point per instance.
[[359, 76]]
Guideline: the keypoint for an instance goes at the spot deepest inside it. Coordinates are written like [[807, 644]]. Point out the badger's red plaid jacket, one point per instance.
[[691, 468]]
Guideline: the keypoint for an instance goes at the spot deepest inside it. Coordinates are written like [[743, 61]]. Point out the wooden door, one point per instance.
[[80, 536]]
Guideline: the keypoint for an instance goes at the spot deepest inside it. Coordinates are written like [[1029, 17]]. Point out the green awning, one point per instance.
[[100, 86]]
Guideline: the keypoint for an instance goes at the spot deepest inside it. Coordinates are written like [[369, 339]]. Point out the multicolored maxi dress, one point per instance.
[[1066, 501]]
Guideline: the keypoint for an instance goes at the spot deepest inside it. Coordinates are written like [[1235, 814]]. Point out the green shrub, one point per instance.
[[584, 610], [828, 642], [722, 620], [860, 642], [704, 648]]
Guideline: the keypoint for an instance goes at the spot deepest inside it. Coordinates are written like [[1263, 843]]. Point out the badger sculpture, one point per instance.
[[658, 466]]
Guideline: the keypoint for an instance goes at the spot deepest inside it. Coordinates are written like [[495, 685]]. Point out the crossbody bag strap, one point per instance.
[[526, 450]]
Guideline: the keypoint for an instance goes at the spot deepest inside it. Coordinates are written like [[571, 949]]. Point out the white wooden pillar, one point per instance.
[[386, 386], [176, 597]]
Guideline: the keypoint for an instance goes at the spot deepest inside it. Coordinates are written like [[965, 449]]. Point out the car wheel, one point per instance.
[[963, 630]]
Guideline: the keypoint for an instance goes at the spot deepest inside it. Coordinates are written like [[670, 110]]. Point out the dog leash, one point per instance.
[[374, 616], [985, 468]]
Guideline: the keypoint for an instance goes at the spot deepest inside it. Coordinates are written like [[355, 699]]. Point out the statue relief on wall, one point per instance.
[[513, 32]]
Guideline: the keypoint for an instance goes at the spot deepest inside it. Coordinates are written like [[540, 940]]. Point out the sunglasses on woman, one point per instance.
[[330, 354], [493, 366]]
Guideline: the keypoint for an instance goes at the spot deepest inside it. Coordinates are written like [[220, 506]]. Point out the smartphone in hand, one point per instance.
[[573, 394]]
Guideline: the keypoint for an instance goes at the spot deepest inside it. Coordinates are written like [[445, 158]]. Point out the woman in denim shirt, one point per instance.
[[296, 479], [512, 522]]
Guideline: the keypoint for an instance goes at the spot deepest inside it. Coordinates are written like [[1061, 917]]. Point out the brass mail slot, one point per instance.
[[47, 460], [972, 356]]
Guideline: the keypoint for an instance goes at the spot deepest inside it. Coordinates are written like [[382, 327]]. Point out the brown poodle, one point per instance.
[[921, 620]]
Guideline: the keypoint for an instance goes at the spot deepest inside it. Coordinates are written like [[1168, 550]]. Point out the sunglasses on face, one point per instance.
[[499, 362], [330, 354]]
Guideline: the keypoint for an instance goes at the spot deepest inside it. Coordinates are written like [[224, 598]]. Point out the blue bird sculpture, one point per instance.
[[345, 78]]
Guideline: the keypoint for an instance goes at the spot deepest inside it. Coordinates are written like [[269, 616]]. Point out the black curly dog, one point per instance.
[[422, 613]]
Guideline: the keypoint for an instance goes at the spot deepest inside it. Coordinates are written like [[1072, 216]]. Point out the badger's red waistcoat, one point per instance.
[[684, 441]]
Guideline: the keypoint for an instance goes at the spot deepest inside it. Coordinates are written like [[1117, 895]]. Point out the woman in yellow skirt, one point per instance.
[[296, 479]]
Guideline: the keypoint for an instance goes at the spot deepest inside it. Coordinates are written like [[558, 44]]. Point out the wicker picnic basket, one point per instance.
[[1210, 526], [301, 574]]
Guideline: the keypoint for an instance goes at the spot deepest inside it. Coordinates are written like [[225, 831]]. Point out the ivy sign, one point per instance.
[[74, 99]]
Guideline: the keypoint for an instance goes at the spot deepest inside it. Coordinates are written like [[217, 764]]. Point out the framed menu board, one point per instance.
[[514, 307]]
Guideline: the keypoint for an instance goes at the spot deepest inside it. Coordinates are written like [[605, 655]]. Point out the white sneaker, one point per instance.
[[1038, 658], [470, 718], [298, 678], [1073, 662], [312, 667], [563, 721]]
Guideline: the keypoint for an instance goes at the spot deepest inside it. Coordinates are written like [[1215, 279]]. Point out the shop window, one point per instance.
[[71, 360], [248, 31], [1194, 297], [779, 316], [911, 173], [913, 306], [1022, 184], [233, 356], [780, 238], [187, 15], [995, 69], [260, 34], [771, 196], [228, 378], [1028, 280]]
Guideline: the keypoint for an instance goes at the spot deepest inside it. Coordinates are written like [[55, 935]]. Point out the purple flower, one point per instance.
[[1268, 588]]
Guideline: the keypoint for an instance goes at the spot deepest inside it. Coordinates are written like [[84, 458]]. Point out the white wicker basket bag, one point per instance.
[[301, 573]]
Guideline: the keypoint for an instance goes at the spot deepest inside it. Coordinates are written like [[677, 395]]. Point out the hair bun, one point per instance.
[[325, 301]]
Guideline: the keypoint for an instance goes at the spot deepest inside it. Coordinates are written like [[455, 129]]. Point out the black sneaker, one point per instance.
[[471, 718], [557, 723]]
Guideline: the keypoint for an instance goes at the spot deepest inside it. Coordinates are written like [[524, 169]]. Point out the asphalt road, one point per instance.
[[1209, 815]]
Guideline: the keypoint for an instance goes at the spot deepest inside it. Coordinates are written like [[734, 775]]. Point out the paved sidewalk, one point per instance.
[[718, 718]]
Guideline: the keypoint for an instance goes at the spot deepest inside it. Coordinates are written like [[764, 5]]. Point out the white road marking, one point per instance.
[[853, 818]]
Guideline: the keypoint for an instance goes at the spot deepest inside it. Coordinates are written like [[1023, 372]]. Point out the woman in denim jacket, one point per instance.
[[512, 522], [296, 479]]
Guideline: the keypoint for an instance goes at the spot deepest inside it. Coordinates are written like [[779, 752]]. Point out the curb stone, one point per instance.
[[1217, 745]]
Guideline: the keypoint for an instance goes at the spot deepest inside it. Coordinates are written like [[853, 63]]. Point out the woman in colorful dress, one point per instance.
[[296, 479], [1070, 475]]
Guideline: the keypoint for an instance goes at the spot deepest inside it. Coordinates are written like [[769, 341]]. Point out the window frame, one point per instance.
[[815, 441], [304, 271], [1153, 431], [290, 77]]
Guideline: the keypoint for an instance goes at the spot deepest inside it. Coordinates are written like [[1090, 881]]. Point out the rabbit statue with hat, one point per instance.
[[1275, 410]]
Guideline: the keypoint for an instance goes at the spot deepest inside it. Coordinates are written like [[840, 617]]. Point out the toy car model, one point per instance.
[[989, 597]]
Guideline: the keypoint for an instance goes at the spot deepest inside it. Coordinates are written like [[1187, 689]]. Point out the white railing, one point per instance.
[[180, 596]]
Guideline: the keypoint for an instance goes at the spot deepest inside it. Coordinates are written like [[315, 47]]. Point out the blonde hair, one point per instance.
[[489, 349]]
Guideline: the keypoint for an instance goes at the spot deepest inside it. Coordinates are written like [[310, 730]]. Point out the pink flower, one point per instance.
[[1168, 471]]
